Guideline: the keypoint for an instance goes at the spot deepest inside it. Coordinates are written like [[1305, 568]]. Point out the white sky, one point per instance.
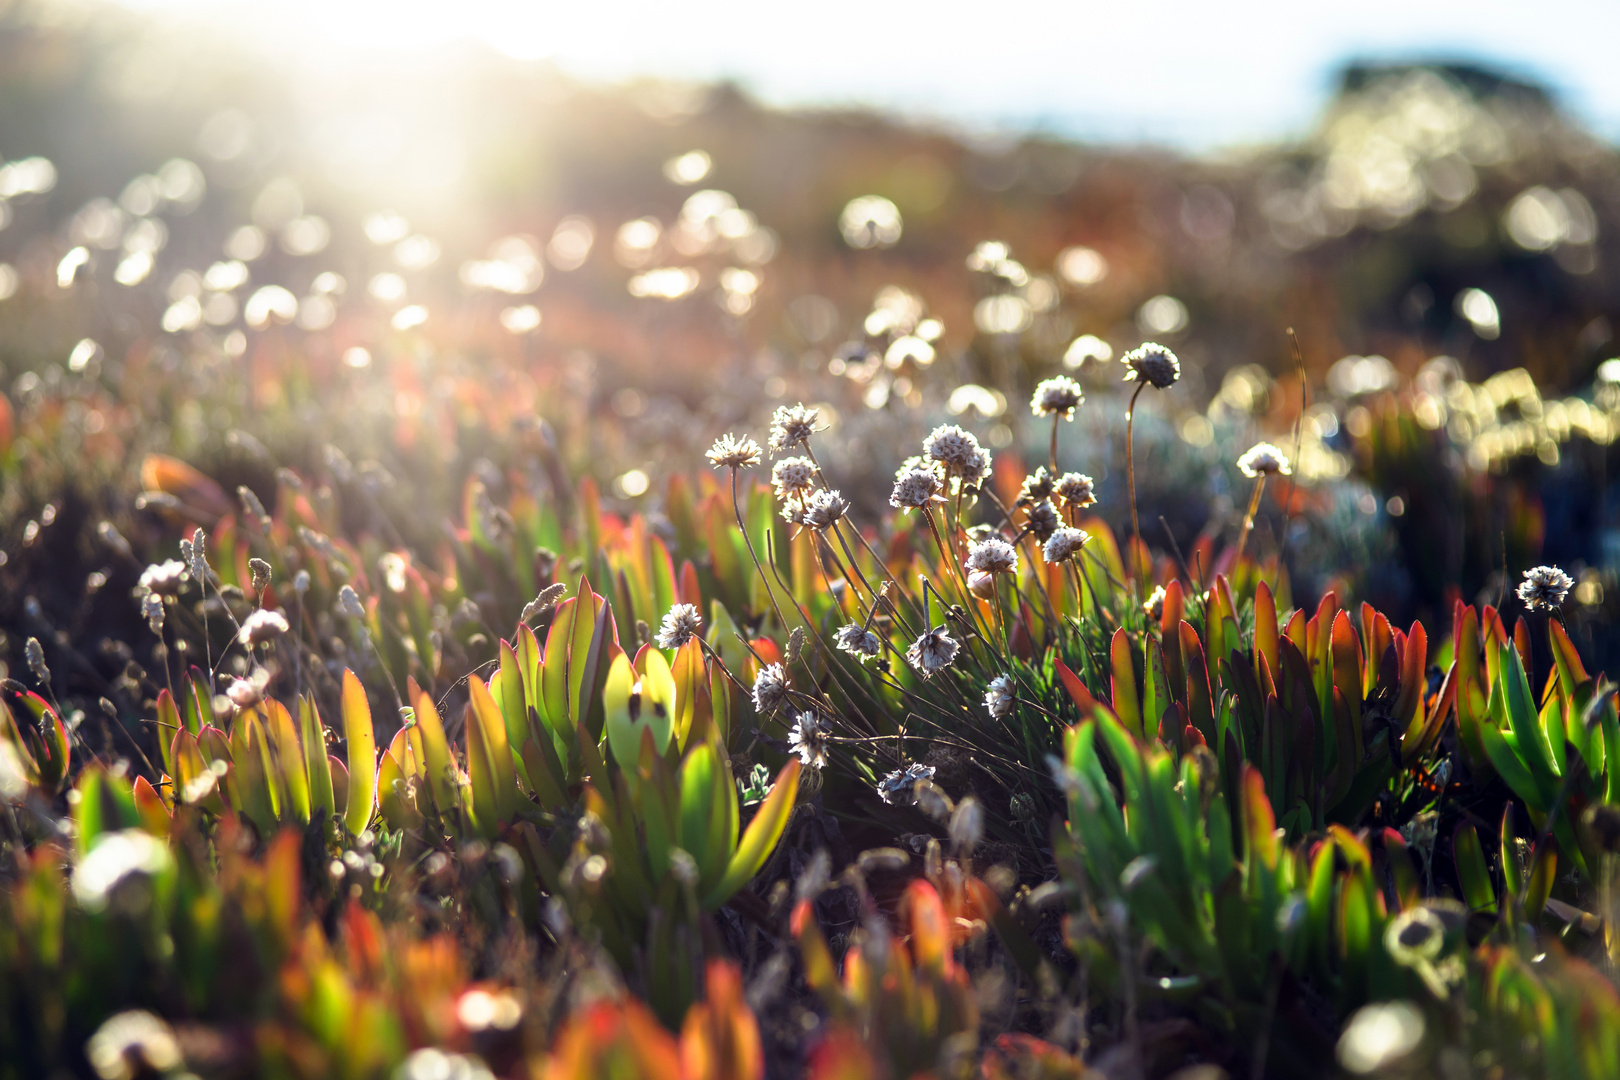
[[1190, 72]]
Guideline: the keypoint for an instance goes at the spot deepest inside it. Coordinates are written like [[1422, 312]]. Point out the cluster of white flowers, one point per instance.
[[681, 624]]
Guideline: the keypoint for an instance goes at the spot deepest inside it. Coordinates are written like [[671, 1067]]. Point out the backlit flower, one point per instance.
[[1544, 588], [792, 425], [1058, 396], [858, 641], [1263, 459], [933, 651], [998, 700], [770, 688], [261, 626], [792, 477], [809, 739], [1076, 490], [681, 623], [1064, 544], [730, 452], [1152, 363], [992, 556]]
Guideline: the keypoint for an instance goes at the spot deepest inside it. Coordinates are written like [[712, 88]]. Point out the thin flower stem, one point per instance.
[[1053, 456], [1130, 480], [1248, 519]]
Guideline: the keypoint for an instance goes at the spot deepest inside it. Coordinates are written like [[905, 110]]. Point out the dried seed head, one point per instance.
[[793, 477], [1064, 544], [681, 623], [1544, 588], [114, 539], [253, 507], [261, 574], [795, 645], [858, 641], [548, 596], [1037, 486], [770, 688], [1263, 459], [792, 426], [810, 740], [261, 626], [898, 787], [1076, 491], [1043, 520], [1058, 396], [932, 652], [199, 555], [992, 556], [998, 700], [730, 452], [152, 609], [349, 603], [825, 509], [1153, 364], [34, 653], [915, 487]]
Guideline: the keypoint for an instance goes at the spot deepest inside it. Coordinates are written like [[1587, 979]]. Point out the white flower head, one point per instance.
[[165, 578], [1154, 364], [992, 556], [349, 603], [1064, 544], [245, 693], [1544, 588], [1037, 486], [1043, 520], [770, 688], [1076, 490], [792, 426], [730, 452], [261, 626], [1153, 606], [858, 641], [932, 652], [998, 700], [810, 740], [681, 624], [1058, 396], [916, 487], [825, 509], [1263, 459], [898, 788], [958, 451], [793, 477]]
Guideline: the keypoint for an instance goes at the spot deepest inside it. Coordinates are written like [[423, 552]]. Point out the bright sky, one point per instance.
[[1188, 72]]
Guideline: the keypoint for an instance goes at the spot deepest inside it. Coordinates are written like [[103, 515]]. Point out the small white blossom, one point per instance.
[[1264, 459], [730, 452], [992, 556], [261, 626], [932, 652], [1076, 490], [916, 487], [1153, 606], [681, 623], [998, 700], [825, 509], [349, 603], [1544, 588], [245, 693], [958, 451], [1058, 396], [770, 688], [809, 739], [898, 788], [793, 477], [165, 578], [858, 641], [1064, 544], [1152, 363], [792, 426]]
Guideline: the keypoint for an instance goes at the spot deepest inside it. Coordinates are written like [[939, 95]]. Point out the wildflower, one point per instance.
[[1058, 396], [793, 512], [982, 585], [1064, 544], [915, 487], [770, 688], [999, 698], [681, 624], [932, 652], [245, 693], [133, 1043], [1263, 459], [898, 787], [152, 609], [809, 739], [825, 509], [1043, 520], [1154, 364], [958, 451], [792, 426], [858, 641], [1037, 486], [1154, 604], [349, 603], [1380, 1035], [730, 452], [793, 476], [992, 556], [165, 578], [1076, 490], [261, 626], [262, 573], [1545, 588]]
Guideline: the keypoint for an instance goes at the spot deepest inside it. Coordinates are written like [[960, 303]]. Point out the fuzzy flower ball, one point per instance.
[[245, 693], [809, 739], [1263, 459], [992, 556], [1076, 490], [792, 425], [932, 652], [998, 700], [792, 477], [1043, 520], [1058, 396], [1064, 544], [1544, 588], [770, 688], [1037, 486], [858, 641], [261, 626], [681, 623], [165, 578], [915, 488], [730, 452], [825, 509], [1153, 606], [1153, 364], [958, 451]]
